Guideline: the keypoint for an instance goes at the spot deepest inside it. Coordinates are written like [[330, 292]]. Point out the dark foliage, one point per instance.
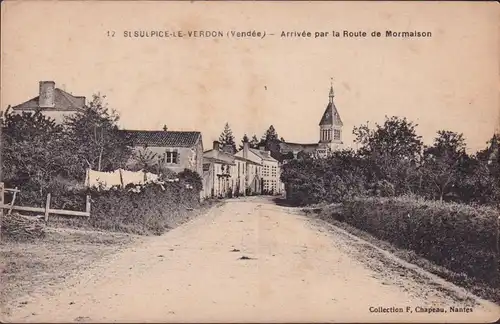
[[459, 237]]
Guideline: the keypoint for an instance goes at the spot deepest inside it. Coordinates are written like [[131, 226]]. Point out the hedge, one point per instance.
[[145, 209], [459, 237]]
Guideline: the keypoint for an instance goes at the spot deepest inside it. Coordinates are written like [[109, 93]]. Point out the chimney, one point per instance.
[[216, 145], [46, 94], [246, 146], [262, 148]]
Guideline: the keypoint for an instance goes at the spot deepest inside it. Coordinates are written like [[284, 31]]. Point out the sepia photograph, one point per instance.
[[249, 162]]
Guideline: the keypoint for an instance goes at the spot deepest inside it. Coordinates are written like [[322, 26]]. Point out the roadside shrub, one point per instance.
[[138, 209], [459, 237], [192, 178], [148, 209]]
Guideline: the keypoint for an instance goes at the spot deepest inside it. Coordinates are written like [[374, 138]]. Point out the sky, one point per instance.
[[448, 81]]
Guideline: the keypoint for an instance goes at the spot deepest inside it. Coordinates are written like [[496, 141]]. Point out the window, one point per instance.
[[171, 157], [336, 134], [265, 171]]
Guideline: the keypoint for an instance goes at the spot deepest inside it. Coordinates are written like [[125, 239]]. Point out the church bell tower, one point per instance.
[[330, 126]]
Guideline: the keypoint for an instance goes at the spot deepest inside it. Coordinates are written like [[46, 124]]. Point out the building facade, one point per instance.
[[175, 150], [52, 102], [226, 174], [266, 176]]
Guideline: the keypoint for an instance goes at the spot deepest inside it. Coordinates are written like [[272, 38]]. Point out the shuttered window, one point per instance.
[[172, 157]]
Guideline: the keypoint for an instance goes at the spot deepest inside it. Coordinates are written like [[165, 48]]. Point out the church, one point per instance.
[[330, 134]]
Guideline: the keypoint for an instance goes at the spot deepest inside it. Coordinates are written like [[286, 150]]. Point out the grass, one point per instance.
[[472, 284], [71, 245], [26, 267], [157, 224]]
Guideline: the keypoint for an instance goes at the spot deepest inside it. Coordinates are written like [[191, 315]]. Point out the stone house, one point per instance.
[[176, 150], [226, 175], [52, 102], [218, 173], [265, 178]]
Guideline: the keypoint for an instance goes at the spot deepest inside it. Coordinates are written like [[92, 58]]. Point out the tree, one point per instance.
[[34, 151], [245, 139], [226, 138], [444, 162], [254, 142], [94, 137], [480, 182], [270, 136], [392, 152], [144, 159]]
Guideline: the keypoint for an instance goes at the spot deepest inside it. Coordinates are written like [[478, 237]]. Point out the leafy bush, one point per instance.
[[192, 178], [148, 209], [139, 209], [310, 181], [459, 237]]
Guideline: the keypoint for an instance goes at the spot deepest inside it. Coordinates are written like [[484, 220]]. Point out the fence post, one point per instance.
[[13, 201], [87, 205], [47, 207]]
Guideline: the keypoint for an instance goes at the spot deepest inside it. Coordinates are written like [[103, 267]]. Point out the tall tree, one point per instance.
[[443, 163], [392, 152], [254, 142], [34, 151], [226, 138], [270, 135], [244, 140], [94, 136]]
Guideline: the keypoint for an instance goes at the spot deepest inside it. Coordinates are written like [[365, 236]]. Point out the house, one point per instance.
[[218, 173], [330, 135], [265, 177], [52, 102], [226, 175], [176, 150]]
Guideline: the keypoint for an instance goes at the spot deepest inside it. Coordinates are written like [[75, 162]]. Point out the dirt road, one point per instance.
[[251, 260]]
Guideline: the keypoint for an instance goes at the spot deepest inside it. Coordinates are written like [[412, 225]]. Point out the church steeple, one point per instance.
[[331, 95], [331, 116], [330, 125]]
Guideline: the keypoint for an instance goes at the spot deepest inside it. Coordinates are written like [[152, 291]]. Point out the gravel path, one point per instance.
[[251, 260]]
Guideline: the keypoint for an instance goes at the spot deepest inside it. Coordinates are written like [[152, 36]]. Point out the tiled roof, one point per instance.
[[62, 101], [331, 116], [215, 160], [219, 155], [162, 138], [262, 155], [286, 147]]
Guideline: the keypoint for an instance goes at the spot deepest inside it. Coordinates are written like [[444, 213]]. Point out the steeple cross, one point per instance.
[[331, 90]]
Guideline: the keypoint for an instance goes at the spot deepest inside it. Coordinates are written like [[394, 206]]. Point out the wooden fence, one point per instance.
[[46, 211]]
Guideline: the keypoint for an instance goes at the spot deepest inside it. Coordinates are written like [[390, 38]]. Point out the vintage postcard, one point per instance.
[[270, 161]]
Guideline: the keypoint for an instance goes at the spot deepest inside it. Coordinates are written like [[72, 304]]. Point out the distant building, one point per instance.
[[330, 135], [225, 174], [52, 102], [268, 175], [176, 150]]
